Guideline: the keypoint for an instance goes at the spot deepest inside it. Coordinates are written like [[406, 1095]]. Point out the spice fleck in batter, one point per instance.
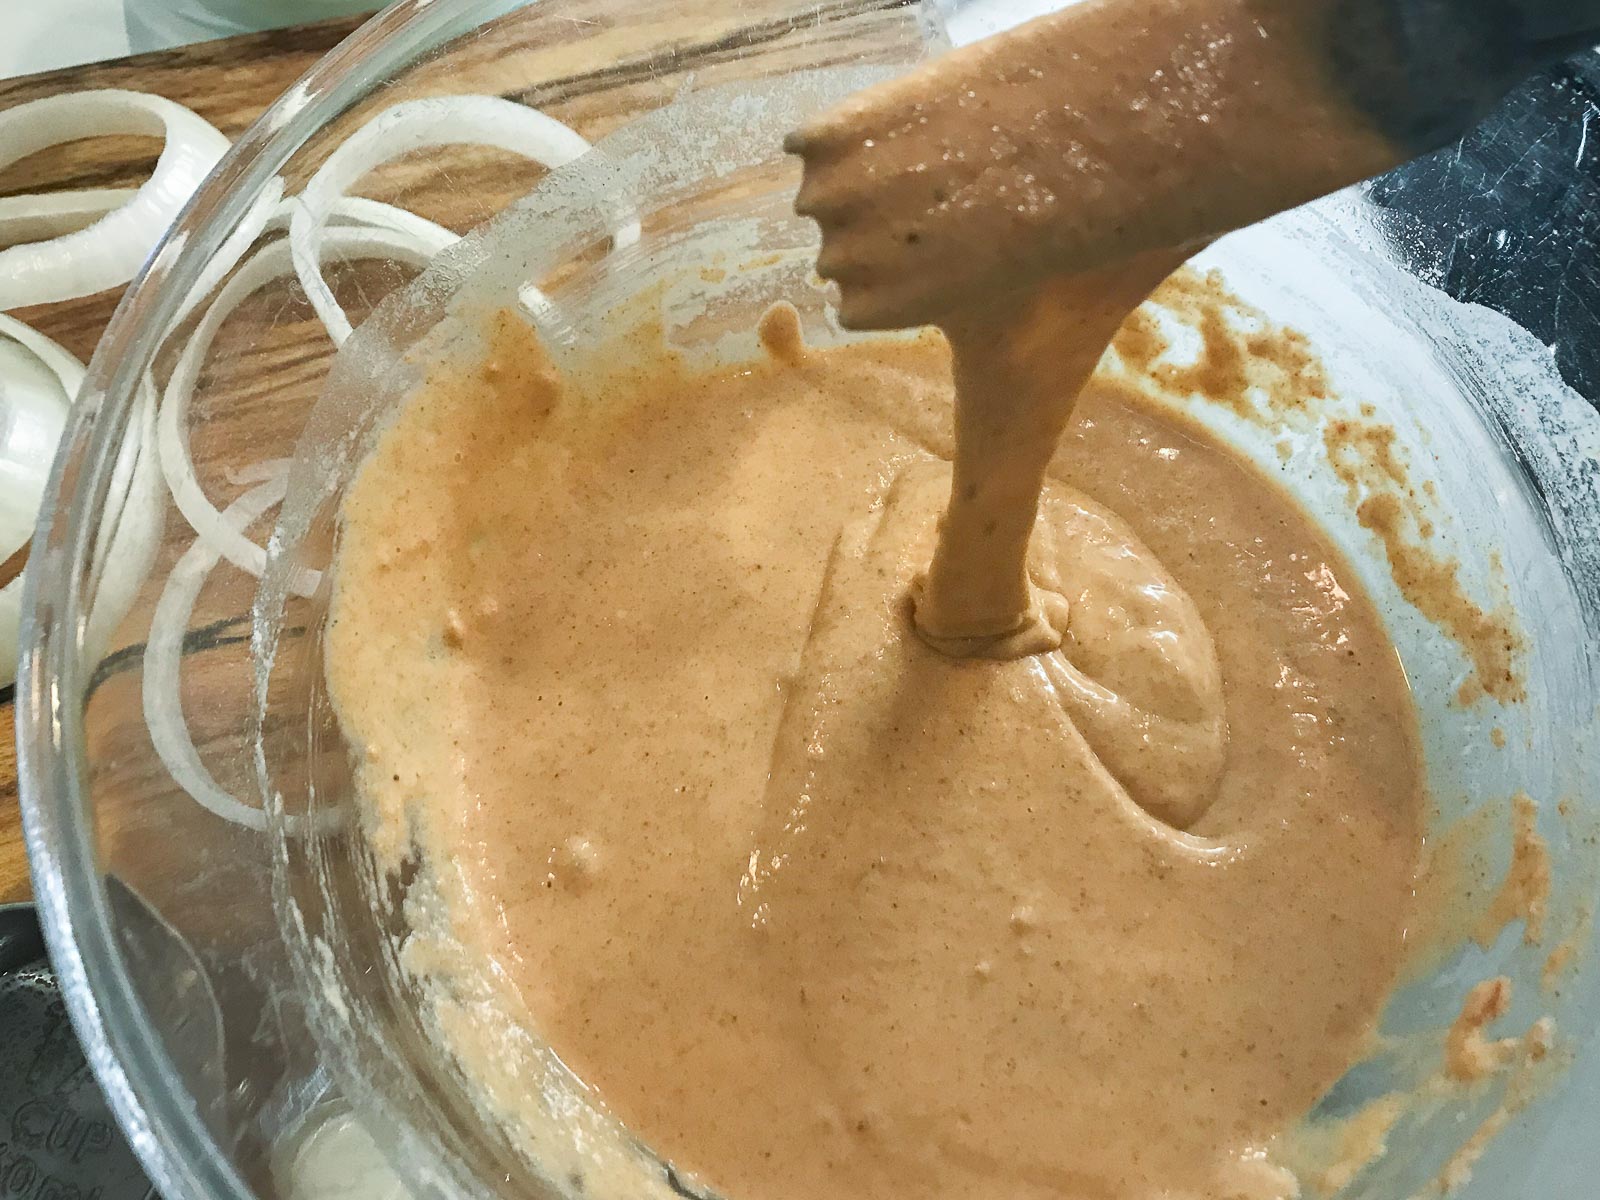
[[816, 909]]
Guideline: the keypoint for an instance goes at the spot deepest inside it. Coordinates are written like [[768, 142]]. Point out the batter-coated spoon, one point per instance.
[[1116, 127], [1027, 192]]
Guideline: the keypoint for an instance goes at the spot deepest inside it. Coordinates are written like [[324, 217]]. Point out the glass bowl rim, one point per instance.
[[179, 1152], [163, 1126]]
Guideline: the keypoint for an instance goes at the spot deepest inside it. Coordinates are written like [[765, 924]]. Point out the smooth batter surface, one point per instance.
[[815, 909], [1025, 194]]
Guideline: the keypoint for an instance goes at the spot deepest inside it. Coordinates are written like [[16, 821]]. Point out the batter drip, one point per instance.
[[1019, 362], [815, 909]]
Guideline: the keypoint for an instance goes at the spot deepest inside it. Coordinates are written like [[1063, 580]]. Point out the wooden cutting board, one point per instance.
[[227, 82], [593, 65]]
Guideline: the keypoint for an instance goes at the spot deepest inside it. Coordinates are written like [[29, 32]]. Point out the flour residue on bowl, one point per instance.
[[716, 816], [1230, 354]]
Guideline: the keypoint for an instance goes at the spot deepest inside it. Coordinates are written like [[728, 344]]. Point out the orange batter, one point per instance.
[[815, 909]]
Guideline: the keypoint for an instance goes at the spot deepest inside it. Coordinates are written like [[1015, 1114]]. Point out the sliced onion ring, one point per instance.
[[110, 251], [419, 125], [131, 518], [262, 211], [162, 684], [270, 213], [38, 382], [131, 523], [269, 263], [39, 216], [63, 365]]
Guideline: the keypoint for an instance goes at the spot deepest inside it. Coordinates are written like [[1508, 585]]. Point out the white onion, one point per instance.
[[269, 263], [38, 216], [163, 655], [381, 231], [267, 205], [132, 518], [35, 394], [428, 236], [67, 369], [10, 623], [110, 251], [38, 382], [419, 125], [270, 213]]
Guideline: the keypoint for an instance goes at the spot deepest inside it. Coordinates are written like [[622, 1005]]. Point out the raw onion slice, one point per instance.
[[268, 264], [271, 214], [110, 251], [429, 236], [38, 382], [67, 369], [419, 125], [162, 682], [132, 519], [37, 217], [257, 218]]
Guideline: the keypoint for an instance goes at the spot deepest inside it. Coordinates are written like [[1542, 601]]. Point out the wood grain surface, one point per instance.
[[13, 862], [593, 64], [228, 82], [194, 851]]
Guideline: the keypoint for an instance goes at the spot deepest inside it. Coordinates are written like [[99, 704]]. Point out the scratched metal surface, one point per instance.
[[1511, 215], [1510, 219]]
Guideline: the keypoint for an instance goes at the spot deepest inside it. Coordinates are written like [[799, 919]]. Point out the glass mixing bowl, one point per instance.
[[178, 754]]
